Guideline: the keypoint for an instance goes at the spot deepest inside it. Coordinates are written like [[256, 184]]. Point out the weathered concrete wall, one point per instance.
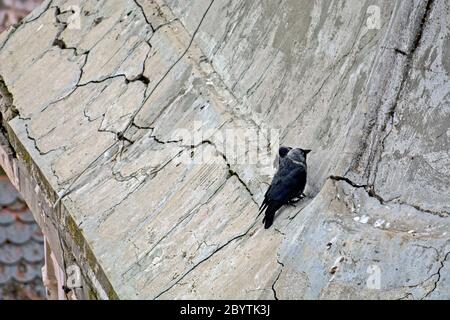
[[91, 110]]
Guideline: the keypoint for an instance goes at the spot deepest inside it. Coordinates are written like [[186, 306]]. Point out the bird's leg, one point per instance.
[[293, 201]]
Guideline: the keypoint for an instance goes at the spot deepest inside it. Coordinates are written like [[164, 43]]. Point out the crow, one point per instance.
[[288, 183]]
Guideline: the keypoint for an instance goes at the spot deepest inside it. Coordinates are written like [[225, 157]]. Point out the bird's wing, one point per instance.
[[281, 172], [289, 181]]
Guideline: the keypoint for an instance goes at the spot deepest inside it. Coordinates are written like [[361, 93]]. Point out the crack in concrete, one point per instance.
[[421, 283], [77, 85], [148, 21], [5, 93], [9, 105], [180, 221], [62, 45], [64, 193], [230, 170], [389, 120], [63, 26], [186, 147], [232, 173], [370, 189], [276, 280], [35, 142], [438, 273], [205, 259], [169, 70], [191, 147], [220, 153], [110, 211], [23, 22], [131, 123], [118, 177], [144, 15]]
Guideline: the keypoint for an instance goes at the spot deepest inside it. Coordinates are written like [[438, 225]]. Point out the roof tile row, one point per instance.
[[21, 248]]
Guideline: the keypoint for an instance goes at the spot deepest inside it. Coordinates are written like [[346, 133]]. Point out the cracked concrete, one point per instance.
[[91, 115]]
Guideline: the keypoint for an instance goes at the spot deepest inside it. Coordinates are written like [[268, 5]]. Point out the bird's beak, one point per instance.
[[306, 151]]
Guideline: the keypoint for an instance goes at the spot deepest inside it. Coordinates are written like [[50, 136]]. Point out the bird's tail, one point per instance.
[[263, 206], [270, 215]]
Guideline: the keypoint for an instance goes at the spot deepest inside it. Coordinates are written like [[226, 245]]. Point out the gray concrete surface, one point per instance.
[[93, 110]]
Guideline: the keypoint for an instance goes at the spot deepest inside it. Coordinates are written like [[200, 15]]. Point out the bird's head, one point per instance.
[[283, 151], [298, 155]]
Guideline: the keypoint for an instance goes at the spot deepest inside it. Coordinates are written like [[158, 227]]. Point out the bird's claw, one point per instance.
[[296, 199]]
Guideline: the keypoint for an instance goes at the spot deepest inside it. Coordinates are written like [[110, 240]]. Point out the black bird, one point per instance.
[[288, 183]]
